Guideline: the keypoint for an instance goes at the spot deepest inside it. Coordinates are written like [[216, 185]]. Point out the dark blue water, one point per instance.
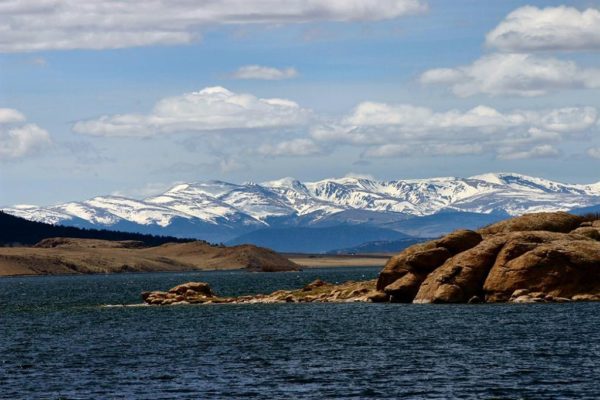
[[57, 341]]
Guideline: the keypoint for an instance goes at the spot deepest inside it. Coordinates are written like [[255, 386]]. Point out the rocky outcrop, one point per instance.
[[546, 257], [460, 277], [317, 291], [561, 268], [555, 256], [403, 274]]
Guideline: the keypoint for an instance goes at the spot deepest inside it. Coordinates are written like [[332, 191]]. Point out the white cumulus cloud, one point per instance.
[[529, 28], [208, 110], [39, 25], [264, 73], [9, 115], [393, 130], [513, 74], [18, 138], [296, 147]]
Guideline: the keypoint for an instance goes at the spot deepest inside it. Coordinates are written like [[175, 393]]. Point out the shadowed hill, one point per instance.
[[18, 231]]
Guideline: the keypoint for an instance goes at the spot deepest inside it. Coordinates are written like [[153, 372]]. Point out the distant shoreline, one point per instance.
[[337, 261], [305, 261]]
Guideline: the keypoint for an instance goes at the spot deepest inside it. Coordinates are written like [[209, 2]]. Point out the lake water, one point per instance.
[[58, 341]]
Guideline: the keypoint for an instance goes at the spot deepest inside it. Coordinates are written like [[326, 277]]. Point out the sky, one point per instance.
[[131, 97]]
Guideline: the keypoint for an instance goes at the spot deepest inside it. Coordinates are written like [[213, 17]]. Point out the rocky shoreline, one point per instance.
[[317, 291], [543, 257]]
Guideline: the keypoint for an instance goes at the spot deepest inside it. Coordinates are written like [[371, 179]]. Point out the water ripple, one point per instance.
[[69, 347]]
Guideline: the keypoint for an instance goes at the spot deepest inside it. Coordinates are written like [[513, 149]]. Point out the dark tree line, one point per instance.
[[19, 231]]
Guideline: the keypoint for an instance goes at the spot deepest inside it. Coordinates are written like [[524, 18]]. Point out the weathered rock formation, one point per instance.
[[555, 256], [317, 291], [403, 274]]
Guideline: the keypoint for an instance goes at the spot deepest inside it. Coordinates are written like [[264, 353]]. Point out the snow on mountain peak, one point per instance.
[[221, 203], [179, 188]]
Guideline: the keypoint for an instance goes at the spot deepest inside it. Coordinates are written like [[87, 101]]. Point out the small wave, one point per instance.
[[124, 305]]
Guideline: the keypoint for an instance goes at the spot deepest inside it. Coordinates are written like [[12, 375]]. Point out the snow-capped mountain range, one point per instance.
[[217, 210]]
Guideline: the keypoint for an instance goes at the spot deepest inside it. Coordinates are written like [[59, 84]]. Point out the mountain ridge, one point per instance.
[[221, 211]]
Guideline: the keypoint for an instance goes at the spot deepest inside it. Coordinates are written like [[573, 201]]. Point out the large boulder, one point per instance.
[[200, 288], [560, 268], [423, 258], [403, 290], [460, 277]]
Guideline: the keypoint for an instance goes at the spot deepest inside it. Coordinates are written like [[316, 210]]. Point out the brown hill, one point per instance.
[[73, 256], [536, 257]]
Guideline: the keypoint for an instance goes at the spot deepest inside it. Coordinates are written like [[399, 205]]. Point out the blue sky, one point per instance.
[[369, 96]]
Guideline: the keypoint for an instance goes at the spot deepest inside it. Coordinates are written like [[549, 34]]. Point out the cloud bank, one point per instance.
[[404, 130], [281, 127], [529, 29], [513, 74], [208, 110], [39, 25], [514, 70]]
